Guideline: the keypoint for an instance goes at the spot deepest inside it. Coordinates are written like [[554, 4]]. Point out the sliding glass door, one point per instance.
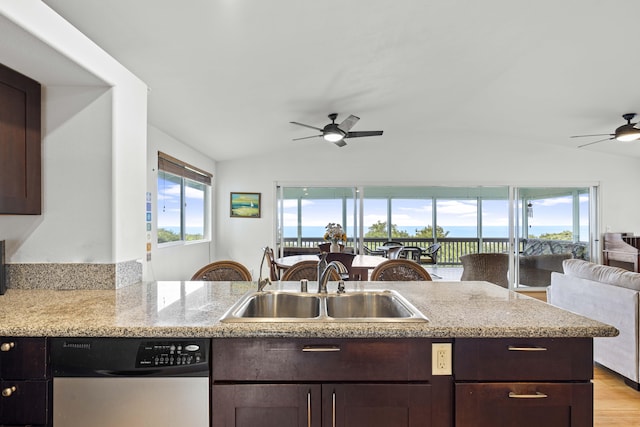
[[538, 226]]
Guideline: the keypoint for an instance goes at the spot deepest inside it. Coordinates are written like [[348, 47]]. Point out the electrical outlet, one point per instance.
[[441, 359]]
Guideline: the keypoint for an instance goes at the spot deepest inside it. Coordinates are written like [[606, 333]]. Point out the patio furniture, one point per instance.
[[223, 271], [373, 252], [400, 270], [489, 267], [430, 254], [393, 252]]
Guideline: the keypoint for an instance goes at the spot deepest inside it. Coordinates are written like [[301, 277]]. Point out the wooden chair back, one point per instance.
[[223, 271], [399, 270]]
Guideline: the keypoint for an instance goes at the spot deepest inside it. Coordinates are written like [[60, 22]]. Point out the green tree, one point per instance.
[[379, 229], [563, 235], [427, 232], [165, 235]]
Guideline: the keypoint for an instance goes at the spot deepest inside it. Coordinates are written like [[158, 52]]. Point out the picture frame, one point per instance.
[[245, 205]]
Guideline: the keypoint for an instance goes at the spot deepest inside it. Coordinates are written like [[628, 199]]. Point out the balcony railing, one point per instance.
[[449, 254]]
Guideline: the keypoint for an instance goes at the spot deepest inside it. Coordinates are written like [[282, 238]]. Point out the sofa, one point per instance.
[[540, 257], [610, 295]]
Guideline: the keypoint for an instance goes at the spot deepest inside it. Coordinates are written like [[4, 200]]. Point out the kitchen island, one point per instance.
[[193, 309], [485, 353]]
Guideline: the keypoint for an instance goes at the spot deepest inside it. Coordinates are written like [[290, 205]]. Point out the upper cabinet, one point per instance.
[[20, 144]]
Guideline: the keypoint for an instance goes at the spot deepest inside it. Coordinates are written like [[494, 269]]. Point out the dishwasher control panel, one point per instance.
[[170, 353]]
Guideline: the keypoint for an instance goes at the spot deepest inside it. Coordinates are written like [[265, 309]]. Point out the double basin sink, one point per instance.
[[361, 306]]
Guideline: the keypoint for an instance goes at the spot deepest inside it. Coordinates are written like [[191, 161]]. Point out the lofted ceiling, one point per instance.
[[227, 76]]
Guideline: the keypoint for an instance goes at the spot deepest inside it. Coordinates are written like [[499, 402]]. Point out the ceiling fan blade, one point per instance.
[[364, 133], [595, 142], [307, 126], [340, 143], [348, 123], [307, 137], [597, 134]]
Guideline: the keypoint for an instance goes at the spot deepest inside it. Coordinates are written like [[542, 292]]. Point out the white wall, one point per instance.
[[76, 183], [94, 149], [464, 161], [175, 262]]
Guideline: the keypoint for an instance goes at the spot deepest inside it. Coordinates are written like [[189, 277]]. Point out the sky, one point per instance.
[[411, 212]]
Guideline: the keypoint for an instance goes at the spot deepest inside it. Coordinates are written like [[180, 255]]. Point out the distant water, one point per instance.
[[454, 231]]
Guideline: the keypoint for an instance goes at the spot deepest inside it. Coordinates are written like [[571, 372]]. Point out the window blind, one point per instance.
[[178, 167]]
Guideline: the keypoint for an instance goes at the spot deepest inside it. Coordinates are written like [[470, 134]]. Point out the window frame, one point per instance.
[[187, 175]]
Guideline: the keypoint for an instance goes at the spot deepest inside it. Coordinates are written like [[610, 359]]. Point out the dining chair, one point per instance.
[[223, 271], [490, 267], [306, 270], [324, 247], [399, 270]]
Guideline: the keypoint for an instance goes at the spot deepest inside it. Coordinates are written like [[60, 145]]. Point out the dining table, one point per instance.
[[361, 263]]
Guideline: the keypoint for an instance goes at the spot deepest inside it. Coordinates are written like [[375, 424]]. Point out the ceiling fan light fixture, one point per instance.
[[627, 133], [333, 133], [333, 136]]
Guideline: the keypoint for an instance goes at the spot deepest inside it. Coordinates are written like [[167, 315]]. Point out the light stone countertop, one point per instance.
[[193, 309]]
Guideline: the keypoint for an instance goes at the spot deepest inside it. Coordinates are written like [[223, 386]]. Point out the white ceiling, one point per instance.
[[227, 76]]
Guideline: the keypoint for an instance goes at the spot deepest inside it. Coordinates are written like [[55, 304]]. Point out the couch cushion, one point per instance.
[[601, 273]]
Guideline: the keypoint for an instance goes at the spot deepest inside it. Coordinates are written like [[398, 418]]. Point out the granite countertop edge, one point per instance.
[[454, 310]]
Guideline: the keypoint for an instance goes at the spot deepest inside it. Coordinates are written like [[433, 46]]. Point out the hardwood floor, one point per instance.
[[615, 404]]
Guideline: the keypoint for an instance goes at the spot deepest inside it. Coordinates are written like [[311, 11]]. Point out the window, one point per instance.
[[183, 195]]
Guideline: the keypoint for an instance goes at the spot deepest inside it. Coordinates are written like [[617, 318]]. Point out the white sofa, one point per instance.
[[610, 295]]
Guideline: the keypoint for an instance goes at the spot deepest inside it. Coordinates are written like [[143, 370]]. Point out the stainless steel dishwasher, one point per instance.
[[106, 382]]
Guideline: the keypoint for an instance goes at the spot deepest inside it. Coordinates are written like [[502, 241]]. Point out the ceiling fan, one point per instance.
[[626, 132], [338, 133]]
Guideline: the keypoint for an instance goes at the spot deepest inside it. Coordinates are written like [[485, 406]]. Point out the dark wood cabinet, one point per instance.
[[25, 382], [328, 382], [20, 144], [523, 382]]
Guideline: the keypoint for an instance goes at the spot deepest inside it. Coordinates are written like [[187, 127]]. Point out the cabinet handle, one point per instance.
[[333, 409], [533, 348], [309, 408], [6, 392], [6, 346], [320, 348], [537, 395]]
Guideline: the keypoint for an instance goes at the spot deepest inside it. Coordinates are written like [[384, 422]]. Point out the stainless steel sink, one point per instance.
[[279, 304], [367, 304], [282, 306]]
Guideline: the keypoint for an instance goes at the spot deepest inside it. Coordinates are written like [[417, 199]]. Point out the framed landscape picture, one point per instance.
[[245, 205]]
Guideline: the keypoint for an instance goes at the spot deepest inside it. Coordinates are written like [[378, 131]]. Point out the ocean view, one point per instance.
[[454, 231]]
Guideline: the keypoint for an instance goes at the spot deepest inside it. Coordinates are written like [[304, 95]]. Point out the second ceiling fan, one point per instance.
[[337, 133], [628, 132]]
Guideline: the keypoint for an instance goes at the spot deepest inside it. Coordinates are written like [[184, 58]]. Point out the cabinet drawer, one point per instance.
[[274, 359], [522, 359], [524, 404], [23, 358], [25, 402]]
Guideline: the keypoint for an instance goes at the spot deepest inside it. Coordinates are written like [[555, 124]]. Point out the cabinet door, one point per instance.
[[20, 152], [376, 405], [25, 402], [23, 358], [524, 404], [266, 405]]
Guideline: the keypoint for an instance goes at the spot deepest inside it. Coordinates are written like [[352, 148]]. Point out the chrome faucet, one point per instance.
[[262, 283], [324, 271]]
